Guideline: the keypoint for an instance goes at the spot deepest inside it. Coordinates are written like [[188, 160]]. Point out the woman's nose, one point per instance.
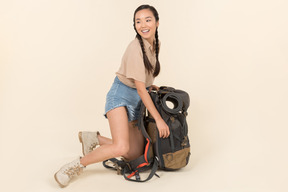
[[143, 24]]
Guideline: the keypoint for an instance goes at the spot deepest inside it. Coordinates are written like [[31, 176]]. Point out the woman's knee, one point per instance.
[[121, 149]]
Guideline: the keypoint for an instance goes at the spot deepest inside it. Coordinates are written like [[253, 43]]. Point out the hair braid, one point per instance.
[[157, 67]]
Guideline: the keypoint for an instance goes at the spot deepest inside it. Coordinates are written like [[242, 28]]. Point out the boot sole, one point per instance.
[[81, 141]]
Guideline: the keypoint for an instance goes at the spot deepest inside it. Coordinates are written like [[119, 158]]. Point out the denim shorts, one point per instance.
[[121, 95]]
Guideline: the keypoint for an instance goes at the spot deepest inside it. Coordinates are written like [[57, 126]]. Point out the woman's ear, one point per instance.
[[157, 24]]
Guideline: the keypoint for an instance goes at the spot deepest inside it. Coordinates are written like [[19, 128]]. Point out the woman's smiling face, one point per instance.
[[146, 24]]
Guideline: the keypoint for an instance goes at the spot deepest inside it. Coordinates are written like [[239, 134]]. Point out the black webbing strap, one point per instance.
[[136, 173]]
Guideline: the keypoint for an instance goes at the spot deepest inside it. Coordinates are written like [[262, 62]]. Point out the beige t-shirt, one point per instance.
[[132, 65]]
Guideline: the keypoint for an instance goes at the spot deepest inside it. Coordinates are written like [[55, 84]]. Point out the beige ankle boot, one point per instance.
[[89, 141], [66, 173]]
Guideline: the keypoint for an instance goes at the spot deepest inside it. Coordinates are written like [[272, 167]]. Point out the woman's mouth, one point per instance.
[[145, 31]]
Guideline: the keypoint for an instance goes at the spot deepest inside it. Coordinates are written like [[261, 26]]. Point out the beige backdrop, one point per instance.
[[58, 59]]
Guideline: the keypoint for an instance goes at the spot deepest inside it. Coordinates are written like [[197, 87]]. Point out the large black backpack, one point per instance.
[[170, 153]]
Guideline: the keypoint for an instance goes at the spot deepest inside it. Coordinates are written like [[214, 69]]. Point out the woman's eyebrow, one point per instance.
[[145, 18]]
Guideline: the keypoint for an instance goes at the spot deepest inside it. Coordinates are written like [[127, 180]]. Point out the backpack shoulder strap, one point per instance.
[[141, 123]]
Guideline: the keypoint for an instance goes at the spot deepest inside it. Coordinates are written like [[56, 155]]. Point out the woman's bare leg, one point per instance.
[[136, 142], [136, 139], [119, 127], [104, 140]]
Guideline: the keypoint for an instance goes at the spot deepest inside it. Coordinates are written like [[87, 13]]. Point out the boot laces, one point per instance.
[[92, 146], [71, 171]]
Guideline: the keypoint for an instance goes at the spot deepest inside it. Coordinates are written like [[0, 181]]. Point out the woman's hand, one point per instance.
[[163, 128], [153, 87]]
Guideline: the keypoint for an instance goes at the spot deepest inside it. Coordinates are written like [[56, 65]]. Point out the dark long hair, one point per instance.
[[147, 63]]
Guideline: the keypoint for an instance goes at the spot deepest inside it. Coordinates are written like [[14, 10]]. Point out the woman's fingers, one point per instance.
[[163, 128], [164, 133], [153, 87]]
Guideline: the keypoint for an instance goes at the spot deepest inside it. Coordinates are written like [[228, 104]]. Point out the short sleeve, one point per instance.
[[132, 63]]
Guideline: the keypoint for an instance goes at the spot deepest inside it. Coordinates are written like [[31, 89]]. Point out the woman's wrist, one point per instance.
[[158, 118]]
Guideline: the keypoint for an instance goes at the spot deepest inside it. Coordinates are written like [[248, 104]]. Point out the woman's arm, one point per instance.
[[146, 99]]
